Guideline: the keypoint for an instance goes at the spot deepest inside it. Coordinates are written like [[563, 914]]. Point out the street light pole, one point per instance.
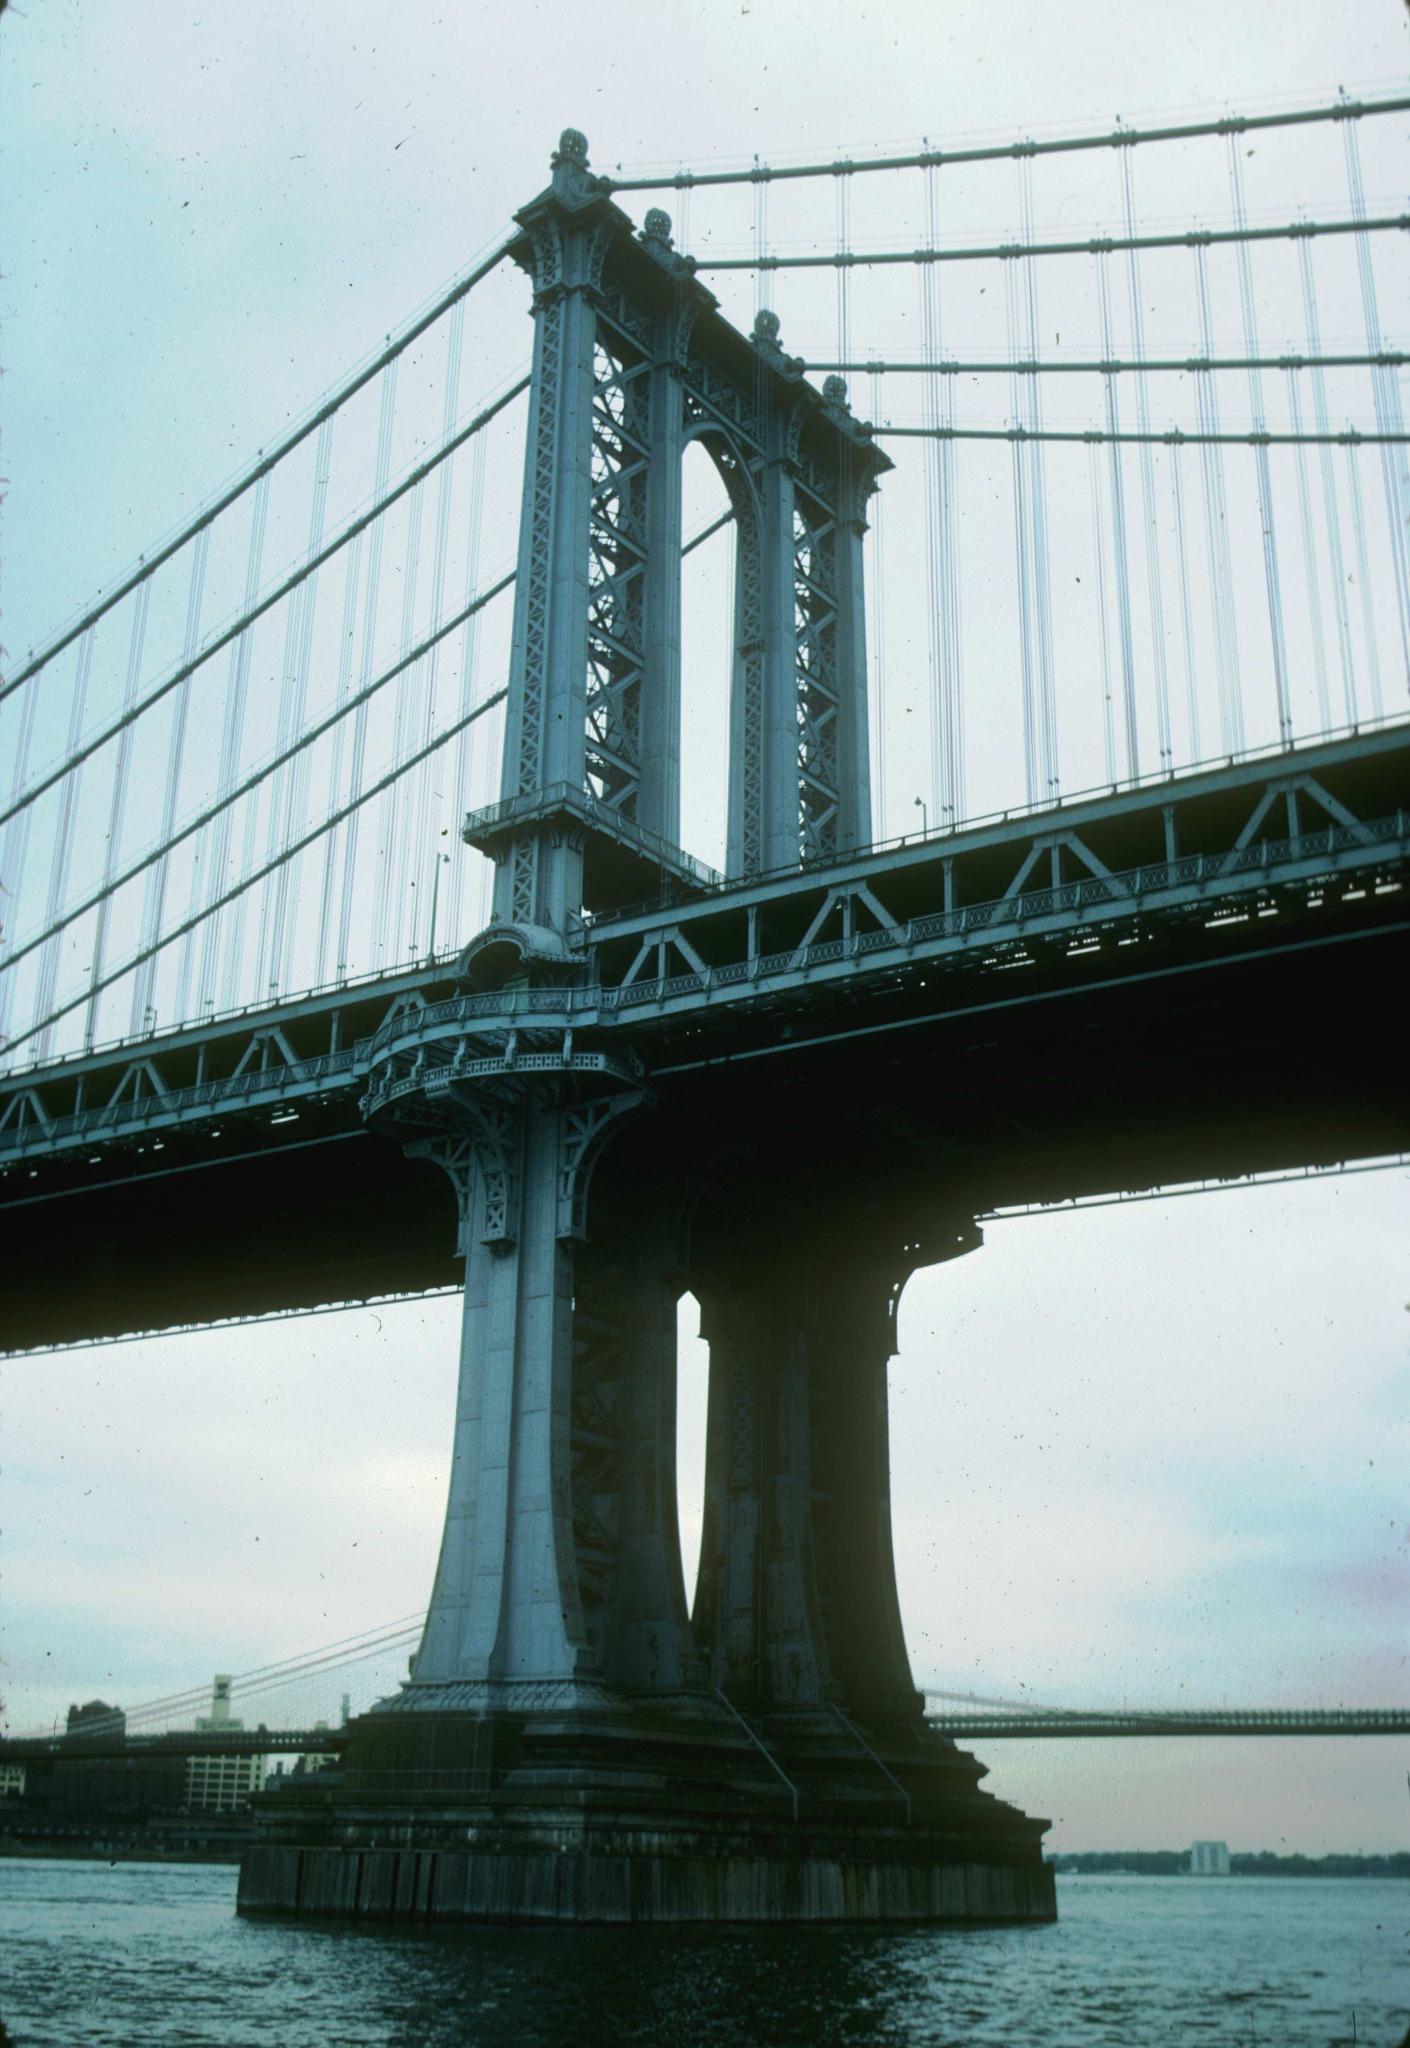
[[924, 818], [435, 904]]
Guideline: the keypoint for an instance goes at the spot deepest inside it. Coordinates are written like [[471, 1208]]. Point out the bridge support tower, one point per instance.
[[575, 1741]]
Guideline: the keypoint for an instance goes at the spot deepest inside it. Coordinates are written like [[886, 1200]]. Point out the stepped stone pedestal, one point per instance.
[[667, 1809], [572, 1744]]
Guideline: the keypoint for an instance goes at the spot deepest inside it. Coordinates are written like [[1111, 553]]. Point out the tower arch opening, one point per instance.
[[708, 571], [692, 1403]]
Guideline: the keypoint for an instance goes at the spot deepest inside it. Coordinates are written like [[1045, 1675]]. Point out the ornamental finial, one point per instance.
[[765, 333], [834, 391], [656, 230], [572, 149]]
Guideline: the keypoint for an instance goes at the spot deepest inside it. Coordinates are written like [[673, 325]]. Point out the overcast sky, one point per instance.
[[1148, 1453]]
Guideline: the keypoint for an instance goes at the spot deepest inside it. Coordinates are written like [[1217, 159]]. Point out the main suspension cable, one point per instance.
[[928, 159], [252, 613], [1053, 366], [1090, 245], [247, 882], [262, 467]]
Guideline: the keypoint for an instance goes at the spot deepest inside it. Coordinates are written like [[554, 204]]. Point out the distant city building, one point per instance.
[[318, 1759], [12, 1781], [1209, 1859], [96, 1718], [221, 1784], [219, 1715]]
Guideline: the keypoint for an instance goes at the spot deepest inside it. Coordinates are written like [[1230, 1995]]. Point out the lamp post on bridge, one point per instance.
[[924, 818], [442, 859]]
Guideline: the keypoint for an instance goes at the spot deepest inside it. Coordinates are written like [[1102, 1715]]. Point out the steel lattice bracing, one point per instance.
[[616, 578], [819, 770]]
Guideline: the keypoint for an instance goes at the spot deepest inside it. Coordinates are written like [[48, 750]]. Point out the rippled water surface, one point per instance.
[[147, 1954]]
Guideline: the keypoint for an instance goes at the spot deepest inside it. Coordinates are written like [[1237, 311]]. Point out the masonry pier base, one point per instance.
[[634, 1810]]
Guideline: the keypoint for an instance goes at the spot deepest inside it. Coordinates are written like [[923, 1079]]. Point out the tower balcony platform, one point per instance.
[[623, 862]]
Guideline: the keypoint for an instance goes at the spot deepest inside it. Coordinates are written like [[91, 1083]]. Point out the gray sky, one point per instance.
[[1143, 1454]]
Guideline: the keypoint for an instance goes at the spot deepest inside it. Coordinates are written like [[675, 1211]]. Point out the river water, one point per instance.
[[152, 1956]]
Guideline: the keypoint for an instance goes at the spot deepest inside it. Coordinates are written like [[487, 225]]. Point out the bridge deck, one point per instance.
[[1162, 984]]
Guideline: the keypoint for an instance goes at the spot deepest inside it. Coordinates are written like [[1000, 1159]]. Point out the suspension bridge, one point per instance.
[[301, 1705], [691, 1011]]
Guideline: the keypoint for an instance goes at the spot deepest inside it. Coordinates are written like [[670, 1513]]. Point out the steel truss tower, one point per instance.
[[573, 1741]]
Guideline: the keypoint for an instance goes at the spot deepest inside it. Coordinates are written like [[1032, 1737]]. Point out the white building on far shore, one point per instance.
[[221, 1784]]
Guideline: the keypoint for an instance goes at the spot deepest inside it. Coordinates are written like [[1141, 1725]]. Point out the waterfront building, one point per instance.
[[95, 1717], [220, 1715], [222, 1784], [218, 1783], [1209, 1859]]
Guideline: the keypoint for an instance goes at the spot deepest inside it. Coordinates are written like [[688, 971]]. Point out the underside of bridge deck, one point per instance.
[[1192, 1055]]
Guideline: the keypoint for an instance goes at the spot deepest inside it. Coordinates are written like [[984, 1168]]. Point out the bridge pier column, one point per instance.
[[757, 1617], [624, 1462], [797, 1601], [505, 1603]]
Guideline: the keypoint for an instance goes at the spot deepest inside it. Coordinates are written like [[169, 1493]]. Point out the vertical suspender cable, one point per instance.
[[1121, 562], [282, 819], [877, 650], [425, 842], [1271, 578], [1216, 521], [1155, 596], [63, 844], [942, 548], [154, 894], [1022, 547], [1331, 510], [1310, 568], [117, 807], [1363, 577], [390, 907], [298, 795], [1043, 617], [286, 917], [469, 665], [385, 421], [934, 574], [1103, 616], [347, 635], [952, 620], [15, 846], [1385, 395], [761, 236], [1187, 630], [844, 274], [216, 846]]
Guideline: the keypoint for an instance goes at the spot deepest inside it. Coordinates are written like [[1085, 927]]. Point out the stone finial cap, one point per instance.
[[656, 231], [572, 150]]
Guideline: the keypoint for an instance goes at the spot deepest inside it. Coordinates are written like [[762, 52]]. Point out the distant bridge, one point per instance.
[[179, 1742], [1049, 1723], [1161, 1721]]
